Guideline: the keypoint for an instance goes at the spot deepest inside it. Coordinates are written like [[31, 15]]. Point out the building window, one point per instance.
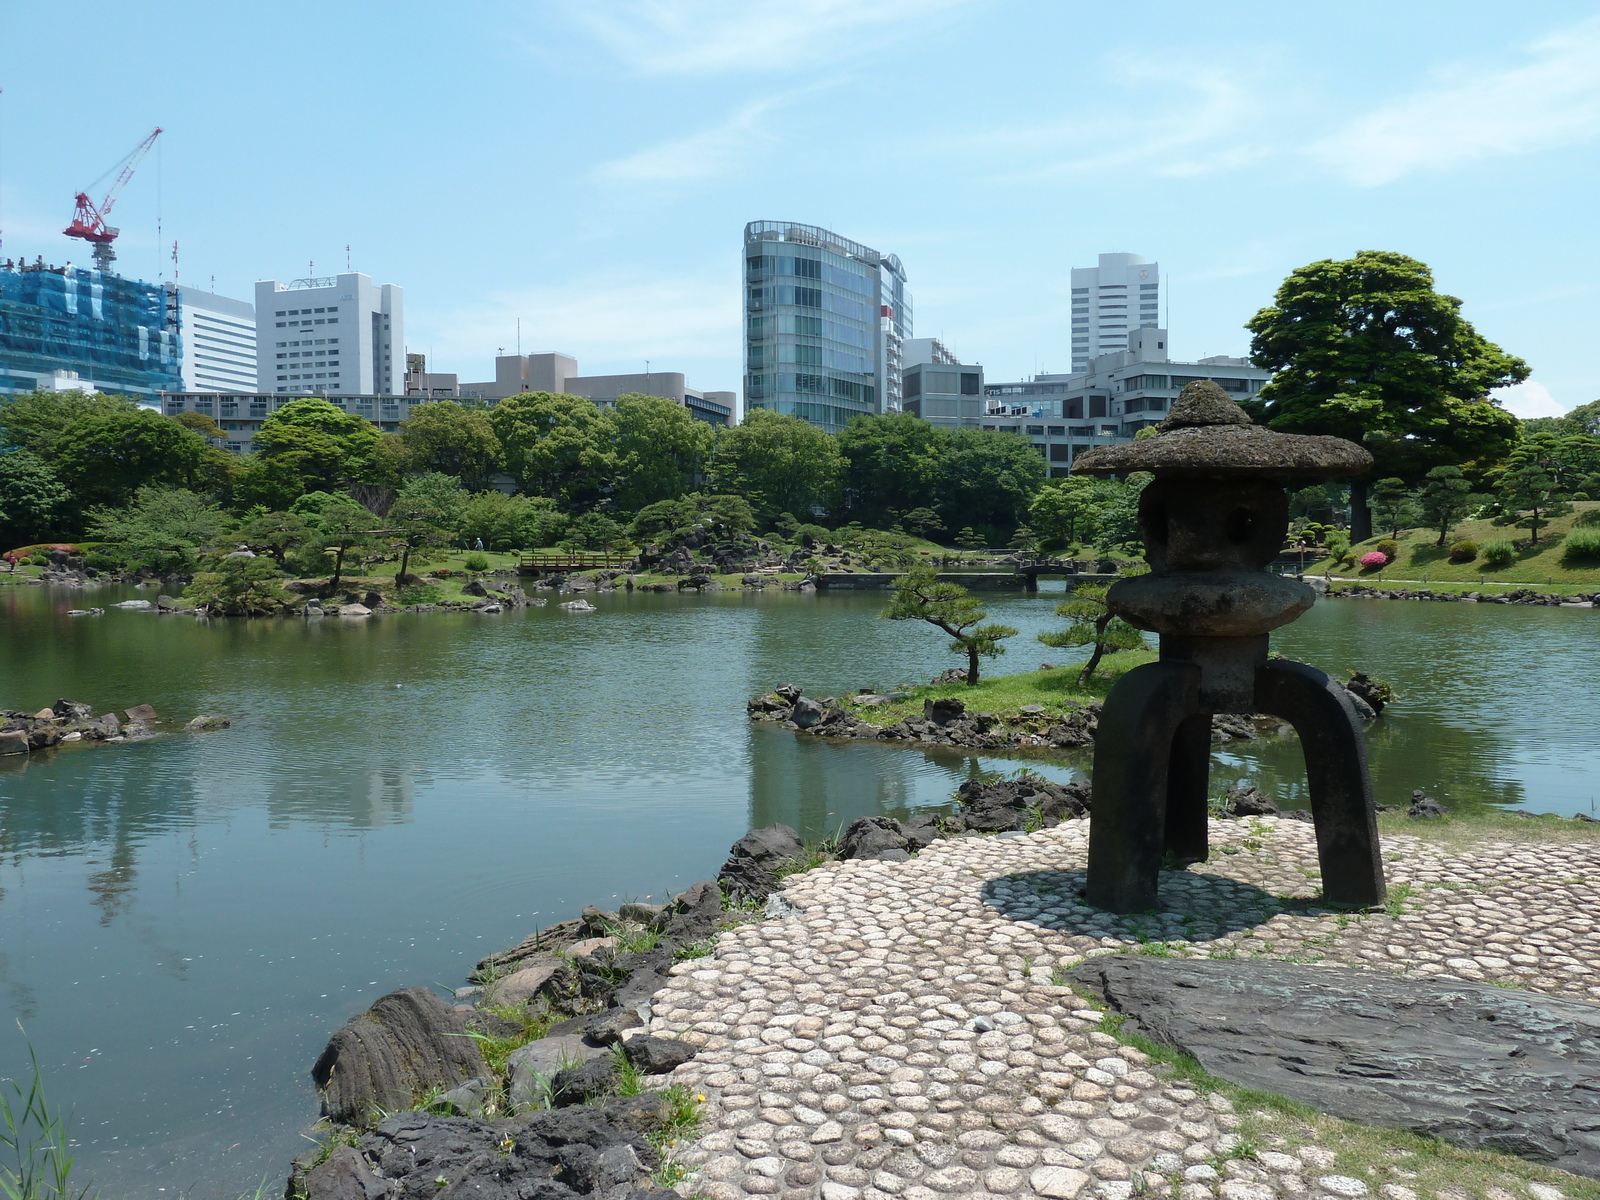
[[1058, 431], [808, 268], [1035, 430], [1097, 406], [806, 297], [969, 383], [1059, 451]]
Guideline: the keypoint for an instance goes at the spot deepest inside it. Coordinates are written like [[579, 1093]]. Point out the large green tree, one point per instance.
[[1443, 499], [33, 502], [892, 464], [340, 526], [167, 530], [34, 420], [777, 462], [505, 522], [105, 457], [1063, 510], [313, 445], [988, 479], [426, 514], [661, 449], [1366, 349], [451, 439], [556, 445]]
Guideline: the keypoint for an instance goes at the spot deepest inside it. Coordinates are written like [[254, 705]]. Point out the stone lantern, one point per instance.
[[1213, 518]]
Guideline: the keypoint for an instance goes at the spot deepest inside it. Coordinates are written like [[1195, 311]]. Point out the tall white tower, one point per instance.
[[338, 334], [1122, 294]]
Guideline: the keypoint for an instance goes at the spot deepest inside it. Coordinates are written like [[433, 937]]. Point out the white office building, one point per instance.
[[1118, 394], [1111, 300], [219, 342], [339, 334]]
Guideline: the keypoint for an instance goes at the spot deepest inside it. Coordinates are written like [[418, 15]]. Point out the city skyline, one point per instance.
[[1230, 145]]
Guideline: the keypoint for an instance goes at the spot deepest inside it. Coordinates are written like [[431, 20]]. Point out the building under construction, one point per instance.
[[75, 327]]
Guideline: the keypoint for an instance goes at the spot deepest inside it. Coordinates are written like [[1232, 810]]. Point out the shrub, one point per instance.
[[1373, 559], [1581, 548], [476, 562], [1463, 552], [1589, 516], [1499, 554], [1389, 548]]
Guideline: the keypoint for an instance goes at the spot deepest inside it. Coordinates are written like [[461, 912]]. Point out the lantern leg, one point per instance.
[[1188, 780], [1132, 751], [1336, 768]]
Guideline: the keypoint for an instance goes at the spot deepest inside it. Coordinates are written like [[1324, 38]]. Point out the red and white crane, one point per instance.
[[89, 220]]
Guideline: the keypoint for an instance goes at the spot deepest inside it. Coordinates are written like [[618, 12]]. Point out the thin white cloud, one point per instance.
[[1192, 118], [1530, 399], [703, 155], [673, 37], [1470, 114]]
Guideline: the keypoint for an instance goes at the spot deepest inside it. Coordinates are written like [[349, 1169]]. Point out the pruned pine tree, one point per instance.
[[1092, 624], [919, 596]]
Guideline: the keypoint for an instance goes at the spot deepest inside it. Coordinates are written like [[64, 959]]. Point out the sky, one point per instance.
[[587, 167]]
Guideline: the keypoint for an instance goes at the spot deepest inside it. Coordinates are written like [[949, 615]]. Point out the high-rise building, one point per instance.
[[338, 333], [825, 322], [1123, 293], [219, 342], [68, 327]]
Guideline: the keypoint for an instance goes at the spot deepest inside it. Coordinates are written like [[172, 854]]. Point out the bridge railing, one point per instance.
[[573, 560]]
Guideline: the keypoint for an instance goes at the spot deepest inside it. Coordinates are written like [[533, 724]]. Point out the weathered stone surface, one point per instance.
[[657, 1055], [205, 724], [747, 879], [14, 741], [537, 977], [594, 1076], [387, 1057], [807, 712], [534, 1066], [141, 712], [73, 710], [694, 913], [547, 1155], [770, 845], [872, 837], [1480, 1066]]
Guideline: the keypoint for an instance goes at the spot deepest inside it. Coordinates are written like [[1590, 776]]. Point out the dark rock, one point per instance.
[[694, 913], [869, 837], [1362, 686], [1424, 806], [42, 736], [141, 712], [595, 1077], [537, 976], [466, 1100], [15, 741], [807, 712], [921, 831], [407, 1043], [474, 587], [1246, 800], [943, 710], [657, 1055], [205, 724], [769, 846], [73, 710], [344, 1176], [534, 1067], [747, 879], [609, 1026], [1484, 1067]]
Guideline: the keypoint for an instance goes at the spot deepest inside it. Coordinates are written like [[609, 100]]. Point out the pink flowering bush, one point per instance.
[[1374, 558]]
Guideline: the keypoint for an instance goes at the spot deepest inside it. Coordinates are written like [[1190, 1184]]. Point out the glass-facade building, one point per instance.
[[825, 320]]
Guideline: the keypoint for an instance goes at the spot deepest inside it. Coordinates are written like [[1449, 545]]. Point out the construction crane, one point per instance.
[[89, 220]]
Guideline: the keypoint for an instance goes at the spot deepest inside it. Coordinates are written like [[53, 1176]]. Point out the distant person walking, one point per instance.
[[479, 545]]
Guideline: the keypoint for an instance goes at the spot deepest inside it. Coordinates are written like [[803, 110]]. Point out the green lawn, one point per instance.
[[1005, 695], [1422, 560]]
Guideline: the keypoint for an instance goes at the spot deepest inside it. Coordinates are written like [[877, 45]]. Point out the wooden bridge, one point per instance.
[[550, 562]]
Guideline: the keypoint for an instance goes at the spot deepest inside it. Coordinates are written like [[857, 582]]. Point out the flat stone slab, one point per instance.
[[1485, 1067]]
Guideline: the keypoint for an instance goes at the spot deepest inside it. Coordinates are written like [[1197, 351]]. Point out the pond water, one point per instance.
[[184, 921]]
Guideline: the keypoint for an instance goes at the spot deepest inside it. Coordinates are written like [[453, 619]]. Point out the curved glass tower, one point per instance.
[[825, 318]]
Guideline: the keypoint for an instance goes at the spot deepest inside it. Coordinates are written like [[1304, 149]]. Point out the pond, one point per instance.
[[184, 921]]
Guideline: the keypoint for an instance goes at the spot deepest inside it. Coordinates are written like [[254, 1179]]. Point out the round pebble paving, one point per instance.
[[901, 1034]]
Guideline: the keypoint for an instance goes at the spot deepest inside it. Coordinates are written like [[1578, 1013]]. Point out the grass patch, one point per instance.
[[1465, 828], [1419, 557], [1376, 1156], [681, 1124], [36, 1153], [1056, 691]]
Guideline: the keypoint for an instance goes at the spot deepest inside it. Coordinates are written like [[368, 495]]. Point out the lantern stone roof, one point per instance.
[[1207, 433]]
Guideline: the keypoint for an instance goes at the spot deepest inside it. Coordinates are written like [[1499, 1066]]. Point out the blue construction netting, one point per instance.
[[120, 335]]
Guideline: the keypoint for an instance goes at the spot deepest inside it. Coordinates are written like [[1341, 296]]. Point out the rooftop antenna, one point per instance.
[[519, 337], [347, 256], [213, 285], [174, 260], [2, 184]]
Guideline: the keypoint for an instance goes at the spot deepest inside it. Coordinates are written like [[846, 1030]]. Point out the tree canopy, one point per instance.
[[105, 456], [661, 449], [1366, 349], [555, 445], [446, 437], [779, 463], [313, 445]]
